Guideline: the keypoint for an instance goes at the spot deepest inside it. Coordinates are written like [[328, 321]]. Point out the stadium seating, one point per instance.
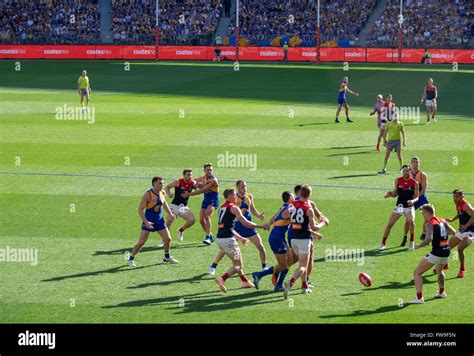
[[264, 20], [181, 21], [45, 21], [434, 24]]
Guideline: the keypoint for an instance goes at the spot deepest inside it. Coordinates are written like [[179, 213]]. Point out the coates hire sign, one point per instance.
[[411, 55]]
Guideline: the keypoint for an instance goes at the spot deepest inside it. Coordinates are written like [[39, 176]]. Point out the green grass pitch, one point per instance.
[[159, 118]]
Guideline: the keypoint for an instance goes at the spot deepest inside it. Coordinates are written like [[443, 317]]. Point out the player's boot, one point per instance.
[[286, 289], [441, 295], [278, 288], [349, 120], [207, 241], [337, 120], [382, 247], [212, 237], [211, 271], [256, 279], [377, 148], [247, 284], [404, 241], [180, 234], [170, 260], [382, 171], [131, 263], [161, 244], [422, 236], [306, 291], [220, 282], [412, 246], [461, 273], [418, 301]]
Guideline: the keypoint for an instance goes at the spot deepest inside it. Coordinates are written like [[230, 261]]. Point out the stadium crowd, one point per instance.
[[181, 21], [273, 22], [434, 23], [48, 21]]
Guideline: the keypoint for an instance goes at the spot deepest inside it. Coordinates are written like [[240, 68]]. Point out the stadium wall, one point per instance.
[[409, 55]]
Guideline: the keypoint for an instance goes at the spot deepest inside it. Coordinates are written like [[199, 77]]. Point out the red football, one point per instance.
[[365, 279]]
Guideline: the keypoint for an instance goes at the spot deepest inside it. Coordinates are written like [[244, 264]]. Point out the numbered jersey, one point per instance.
[[440, 242], [183, 186], [226, 221], [300, 220]]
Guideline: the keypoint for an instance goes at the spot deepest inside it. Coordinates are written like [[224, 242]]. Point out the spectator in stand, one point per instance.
[[48, 21], [434, 24], [227, 7]]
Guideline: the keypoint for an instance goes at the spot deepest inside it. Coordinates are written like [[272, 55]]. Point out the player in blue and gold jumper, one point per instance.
[[280, 221], [151, 212], [342, 100]]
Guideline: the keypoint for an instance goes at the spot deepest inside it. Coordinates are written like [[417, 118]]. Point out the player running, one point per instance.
[[437, 231], [280, 221], [342, 100], [153, 201], [465, 235], [422, 179], [245, 202], [378, 108], [407, 192], [304, 227], [209, 186], [394, 132], [227, 239], [430, 92], [84, 89], [179, 205]]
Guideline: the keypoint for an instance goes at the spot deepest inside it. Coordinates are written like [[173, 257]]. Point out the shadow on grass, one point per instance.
[[195, 279], [350, 153], [345, 147], [316, 123], [144, 249], [122, 268], [206, 301]]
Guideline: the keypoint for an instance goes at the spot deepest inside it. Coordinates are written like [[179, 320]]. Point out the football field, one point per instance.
[[70, 188]]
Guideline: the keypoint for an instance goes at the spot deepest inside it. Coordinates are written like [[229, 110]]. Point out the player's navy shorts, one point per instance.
[[212, 202], [244, 231], [84, 92], [341, 99], [422, 200], [157, 226], [278, 244]]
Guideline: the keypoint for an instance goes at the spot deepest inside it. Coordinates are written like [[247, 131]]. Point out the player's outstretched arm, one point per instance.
[[392, 193], [352, 92], [251, 225], [204, 189], [173, 184], [428, 237]]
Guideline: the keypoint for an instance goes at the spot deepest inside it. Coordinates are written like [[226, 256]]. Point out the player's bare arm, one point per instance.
[[141, 208], [251, 225], [254, 210], [392, 193], [168, 210], [202, 190], [416, 195], [468, 210], [173, 184], [424, 183], [404, 139]]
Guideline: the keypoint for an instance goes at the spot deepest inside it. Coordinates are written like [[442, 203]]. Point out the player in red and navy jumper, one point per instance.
[[406, 191], [437, 232]]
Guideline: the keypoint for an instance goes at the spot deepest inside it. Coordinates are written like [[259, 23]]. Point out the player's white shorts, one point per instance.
[[465, 235], [229, 245], [431, 103], [179, 210], [436, 260], [301, 246], [408, 212]]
